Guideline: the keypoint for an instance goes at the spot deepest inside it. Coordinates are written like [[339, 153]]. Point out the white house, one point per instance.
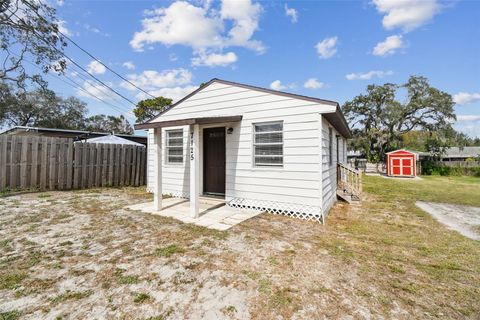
[[256, 148]]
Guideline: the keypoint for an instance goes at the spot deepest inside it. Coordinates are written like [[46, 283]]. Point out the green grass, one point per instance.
[[11, 281], [140, 297], [10, 315], [404, 251], [44, 195], [128, 280], [169, 250], [455, 190], [72, 295]]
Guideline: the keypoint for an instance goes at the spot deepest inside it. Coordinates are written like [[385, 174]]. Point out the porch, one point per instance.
[[213, 213], [205, 160], [349, 183]]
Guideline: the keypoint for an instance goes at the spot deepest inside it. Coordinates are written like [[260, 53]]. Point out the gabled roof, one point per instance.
[[404, 151], [335, 118]]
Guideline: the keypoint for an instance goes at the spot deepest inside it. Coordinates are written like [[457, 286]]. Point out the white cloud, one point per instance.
[[313, 83], [244, 16], [62, 27], [175, 93], [93, 29], [468, 117], [292, 13], [406, 14], [389, 46], [129, 65], [468, 124], [214, 59], [327, 47], [154, 79], [174, 83], [277, 85], [368, 75], [183, 23], [465, 97], [96, 67], [96, 89]]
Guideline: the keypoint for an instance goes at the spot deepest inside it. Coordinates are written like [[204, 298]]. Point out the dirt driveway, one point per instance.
[[464, 219], [81, 255]]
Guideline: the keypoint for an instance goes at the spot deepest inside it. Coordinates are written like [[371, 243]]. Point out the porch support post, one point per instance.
[[157, 197], [194, 170]]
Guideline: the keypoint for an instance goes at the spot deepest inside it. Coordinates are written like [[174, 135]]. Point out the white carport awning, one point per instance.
[[113, 139]]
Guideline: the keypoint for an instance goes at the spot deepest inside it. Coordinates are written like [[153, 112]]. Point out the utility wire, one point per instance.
[[74, 62], [89, 54], [76, 85], [101, 89]]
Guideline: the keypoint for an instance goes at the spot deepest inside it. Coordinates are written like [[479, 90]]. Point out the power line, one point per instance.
[[89, 54], [75, 63], [101, 89], [76, 85]]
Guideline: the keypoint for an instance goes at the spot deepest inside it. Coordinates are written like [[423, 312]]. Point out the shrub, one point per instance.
[[438, 168]]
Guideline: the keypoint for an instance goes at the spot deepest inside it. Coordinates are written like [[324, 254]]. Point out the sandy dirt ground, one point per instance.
[[82, 255], [464, 219]]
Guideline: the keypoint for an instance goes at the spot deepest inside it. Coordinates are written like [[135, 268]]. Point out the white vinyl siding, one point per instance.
[[268, 144], [329, 165], [174, 146], [175, 178]]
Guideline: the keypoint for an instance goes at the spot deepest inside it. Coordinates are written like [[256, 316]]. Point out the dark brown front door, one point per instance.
[[214, 160]]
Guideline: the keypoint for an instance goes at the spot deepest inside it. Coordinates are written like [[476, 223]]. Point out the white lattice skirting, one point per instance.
[[175, 194], [305, 212]]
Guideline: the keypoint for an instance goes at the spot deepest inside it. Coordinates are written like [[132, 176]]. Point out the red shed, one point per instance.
[[401, 163]]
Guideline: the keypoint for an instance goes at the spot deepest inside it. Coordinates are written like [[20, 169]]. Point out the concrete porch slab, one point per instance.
[[214, 214]]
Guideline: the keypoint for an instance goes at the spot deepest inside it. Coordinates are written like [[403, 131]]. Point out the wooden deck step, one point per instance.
[[347, 197]]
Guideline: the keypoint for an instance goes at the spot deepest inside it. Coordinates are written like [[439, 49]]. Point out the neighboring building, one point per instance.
[[402, 163], [461, 153], [256, 148], [112, 139], [77, 135]]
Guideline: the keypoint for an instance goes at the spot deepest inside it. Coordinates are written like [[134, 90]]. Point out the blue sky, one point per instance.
[[326, 49]]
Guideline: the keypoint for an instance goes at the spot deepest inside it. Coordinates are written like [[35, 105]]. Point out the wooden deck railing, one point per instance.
[[349, 181]]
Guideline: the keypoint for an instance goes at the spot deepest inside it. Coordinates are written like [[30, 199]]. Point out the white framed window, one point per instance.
[[174, 146], [268, 144]]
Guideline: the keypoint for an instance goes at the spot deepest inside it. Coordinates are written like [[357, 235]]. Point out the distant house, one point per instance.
[[76, 135], [255, 148], [461, 153]]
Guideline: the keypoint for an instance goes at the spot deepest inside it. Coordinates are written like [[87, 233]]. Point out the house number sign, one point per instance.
[[192, 156]]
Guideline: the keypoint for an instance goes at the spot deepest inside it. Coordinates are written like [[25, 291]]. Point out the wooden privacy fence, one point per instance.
[[463, 164], [57, 163]]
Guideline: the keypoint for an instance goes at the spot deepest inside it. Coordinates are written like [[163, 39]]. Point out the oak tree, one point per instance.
[[29, 33], [149, 108], [380, 117]]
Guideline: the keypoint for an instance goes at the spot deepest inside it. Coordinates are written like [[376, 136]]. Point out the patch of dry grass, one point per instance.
[[73, 252]]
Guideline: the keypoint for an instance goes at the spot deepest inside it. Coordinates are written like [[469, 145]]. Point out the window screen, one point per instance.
[[268, 144], [174, 146]]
